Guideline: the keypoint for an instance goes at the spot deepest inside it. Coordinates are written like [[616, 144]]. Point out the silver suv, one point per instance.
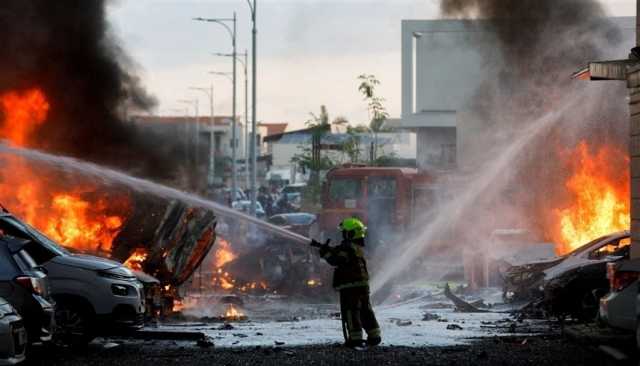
[[94, 296]]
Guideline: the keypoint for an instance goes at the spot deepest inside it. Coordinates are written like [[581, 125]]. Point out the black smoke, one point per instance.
[[67, 49], [538, 45]]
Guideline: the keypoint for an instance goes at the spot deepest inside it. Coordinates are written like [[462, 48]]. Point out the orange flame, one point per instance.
[[136, 259], [224, 254], [23, 112], [233, 313], [599, 188], [41, 196]]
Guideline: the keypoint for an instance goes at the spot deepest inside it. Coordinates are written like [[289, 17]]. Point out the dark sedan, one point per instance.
[[25, 286], [298, 222]]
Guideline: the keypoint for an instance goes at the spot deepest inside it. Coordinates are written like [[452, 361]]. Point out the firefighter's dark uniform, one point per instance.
[[351, 279]]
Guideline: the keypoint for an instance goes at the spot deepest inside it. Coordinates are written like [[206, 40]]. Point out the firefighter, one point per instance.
[[351, 279]]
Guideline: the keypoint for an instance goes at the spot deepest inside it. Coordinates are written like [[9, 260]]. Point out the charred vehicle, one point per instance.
[[571, 284], [175, 240]]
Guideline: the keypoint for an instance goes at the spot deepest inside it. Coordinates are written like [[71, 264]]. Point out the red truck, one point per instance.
[[387, 199]]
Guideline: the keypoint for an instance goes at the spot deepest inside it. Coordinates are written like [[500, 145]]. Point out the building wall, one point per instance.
[[283, 153], [443, 65], [634, 152]]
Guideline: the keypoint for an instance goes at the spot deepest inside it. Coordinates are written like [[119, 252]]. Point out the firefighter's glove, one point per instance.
[[317, 244]]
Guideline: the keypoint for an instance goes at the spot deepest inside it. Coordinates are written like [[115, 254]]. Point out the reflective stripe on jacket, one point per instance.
[[351, 267]]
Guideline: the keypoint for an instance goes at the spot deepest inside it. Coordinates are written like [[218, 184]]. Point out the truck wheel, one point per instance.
[[73, 324]]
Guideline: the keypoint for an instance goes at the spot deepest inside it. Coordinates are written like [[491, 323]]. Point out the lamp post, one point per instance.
[[246, 109], [232, 34], [212, 141], [193, 103], [185, 113], [254, 31]]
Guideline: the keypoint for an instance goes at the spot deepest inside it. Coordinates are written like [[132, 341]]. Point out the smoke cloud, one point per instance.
[[540, 44], [525, 119], [66, 49]]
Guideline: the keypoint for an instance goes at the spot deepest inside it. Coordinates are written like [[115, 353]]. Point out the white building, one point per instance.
[[441, 69], [444, 63]]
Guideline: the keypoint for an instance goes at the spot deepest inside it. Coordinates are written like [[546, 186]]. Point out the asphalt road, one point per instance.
[[487, 351]]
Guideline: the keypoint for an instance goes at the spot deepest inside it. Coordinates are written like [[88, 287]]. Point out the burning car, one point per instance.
[[571, 284]]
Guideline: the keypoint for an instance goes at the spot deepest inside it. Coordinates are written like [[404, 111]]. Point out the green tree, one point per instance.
[[377, 111]]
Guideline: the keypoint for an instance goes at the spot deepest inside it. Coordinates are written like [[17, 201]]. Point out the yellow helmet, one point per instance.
[[354, 228]]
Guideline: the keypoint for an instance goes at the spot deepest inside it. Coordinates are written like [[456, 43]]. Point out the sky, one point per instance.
[[310, 52]]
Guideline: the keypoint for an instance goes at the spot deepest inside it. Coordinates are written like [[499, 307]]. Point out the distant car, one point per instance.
[[245, 206], [571, 284], [239, 196], [619, 308], [25, 286], [299, 222], [13, 336], [93, 295], [294, 188]]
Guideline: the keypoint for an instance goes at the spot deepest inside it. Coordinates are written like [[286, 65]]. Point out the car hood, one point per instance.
[[572, 263], [86, 262]]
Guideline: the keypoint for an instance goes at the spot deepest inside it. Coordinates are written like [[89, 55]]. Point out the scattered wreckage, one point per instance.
[[570, 285]]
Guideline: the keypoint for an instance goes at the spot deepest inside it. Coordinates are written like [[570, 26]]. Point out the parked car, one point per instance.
[[25, 286], [93, 295], [299, 222], [618, 308], [245, 206], [294, 188], [571, 284], [13, 335]]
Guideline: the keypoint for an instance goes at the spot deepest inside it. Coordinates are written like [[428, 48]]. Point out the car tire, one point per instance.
[[73, 323], [588, 306]]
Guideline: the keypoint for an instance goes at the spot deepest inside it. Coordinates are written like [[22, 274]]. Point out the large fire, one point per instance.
[[599, 189], [76, 214]]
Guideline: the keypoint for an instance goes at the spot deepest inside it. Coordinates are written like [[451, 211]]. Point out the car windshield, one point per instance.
[[35, 234], [586, 247], [344, 189]]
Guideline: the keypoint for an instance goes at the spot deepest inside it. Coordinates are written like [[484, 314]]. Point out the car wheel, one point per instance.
[[588, 307], [73, 324]]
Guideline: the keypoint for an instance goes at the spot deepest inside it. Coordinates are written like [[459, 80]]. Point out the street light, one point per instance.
[[232, 34], [246, 109], [212, 140], [185, 112]]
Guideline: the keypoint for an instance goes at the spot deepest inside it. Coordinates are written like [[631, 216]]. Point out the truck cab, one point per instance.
[[386, 199]]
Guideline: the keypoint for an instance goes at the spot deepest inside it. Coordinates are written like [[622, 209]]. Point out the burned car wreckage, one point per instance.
[[570, 285]]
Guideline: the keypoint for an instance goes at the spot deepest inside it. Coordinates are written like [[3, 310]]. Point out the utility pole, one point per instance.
[[234, 139], [212, 141], [254, 103], [246, 120]]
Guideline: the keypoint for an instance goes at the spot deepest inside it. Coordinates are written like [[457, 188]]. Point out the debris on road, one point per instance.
[[430, 316]]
